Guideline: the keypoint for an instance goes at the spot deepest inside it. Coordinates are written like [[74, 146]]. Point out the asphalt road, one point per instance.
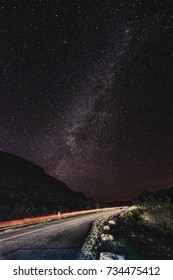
[[58, 240]]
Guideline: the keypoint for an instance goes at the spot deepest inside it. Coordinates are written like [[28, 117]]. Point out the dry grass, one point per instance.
[[146, 232], [160, 214]]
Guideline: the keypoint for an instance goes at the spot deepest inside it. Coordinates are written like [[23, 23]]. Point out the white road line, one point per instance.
[[30, 232], [41, 229]]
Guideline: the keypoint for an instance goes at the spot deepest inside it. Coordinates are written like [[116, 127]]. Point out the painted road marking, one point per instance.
[[37, 230]]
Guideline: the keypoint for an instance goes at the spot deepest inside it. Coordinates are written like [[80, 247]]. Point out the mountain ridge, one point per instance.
[[27, 191], [164, 195]]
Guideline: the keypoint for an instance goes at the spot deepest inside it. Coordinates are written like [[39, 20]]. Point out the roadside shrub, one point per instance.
[[132, 216]]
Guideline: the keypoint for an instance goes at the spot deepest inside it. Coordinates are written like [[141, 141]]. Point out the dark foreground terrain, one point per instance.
[[58, 240], [27, 191]]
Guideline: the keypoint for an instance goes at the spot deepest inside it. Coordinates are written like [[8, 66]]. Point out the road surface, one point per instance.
[[58, 240]]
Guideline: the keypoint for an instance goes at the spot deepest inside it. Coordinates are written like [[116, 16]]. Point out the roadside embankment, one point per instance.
[[136, 233]]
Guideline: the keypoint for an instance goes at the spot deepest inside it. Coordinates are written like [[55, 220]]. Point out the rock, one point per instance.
[[120, 257], [106, 228], [110, 256], [107, 237], [112, 222]]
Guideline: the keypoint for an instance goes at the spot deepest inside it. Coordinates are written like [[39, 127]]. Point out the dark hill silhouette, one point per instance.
[[161, 195], [27, 191]]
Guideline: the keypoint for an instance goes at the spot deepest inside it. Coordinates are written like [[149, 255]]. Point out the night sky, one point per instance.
[[85, 92]]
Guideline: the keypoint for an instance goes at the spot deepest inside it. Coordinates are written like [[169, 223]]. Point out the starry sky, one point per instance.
[[86, 92]]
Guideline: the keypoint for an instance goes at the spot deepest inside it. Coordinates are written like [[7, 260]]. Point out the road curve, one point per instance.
[[58, 240]]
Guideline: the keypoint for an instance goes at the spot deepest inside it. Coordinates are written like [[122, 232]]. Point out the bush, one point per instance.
[[132, 216]]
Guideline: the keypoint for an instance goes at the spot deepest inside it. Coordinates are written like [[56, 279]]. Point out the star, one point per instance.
[[86, 92]]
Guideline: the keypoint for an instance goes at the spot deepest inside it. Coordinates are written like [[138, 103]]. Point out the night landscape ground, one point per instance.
[[86, 117]]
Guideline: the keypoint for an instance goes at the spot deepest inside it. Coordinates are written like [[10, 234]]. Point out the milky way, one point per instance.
[[86, 92]]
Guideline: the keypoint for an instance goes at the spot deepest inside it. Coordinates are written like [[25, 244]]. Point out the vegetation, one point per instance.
[[104, 237], [145, 231], [158, 213]]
